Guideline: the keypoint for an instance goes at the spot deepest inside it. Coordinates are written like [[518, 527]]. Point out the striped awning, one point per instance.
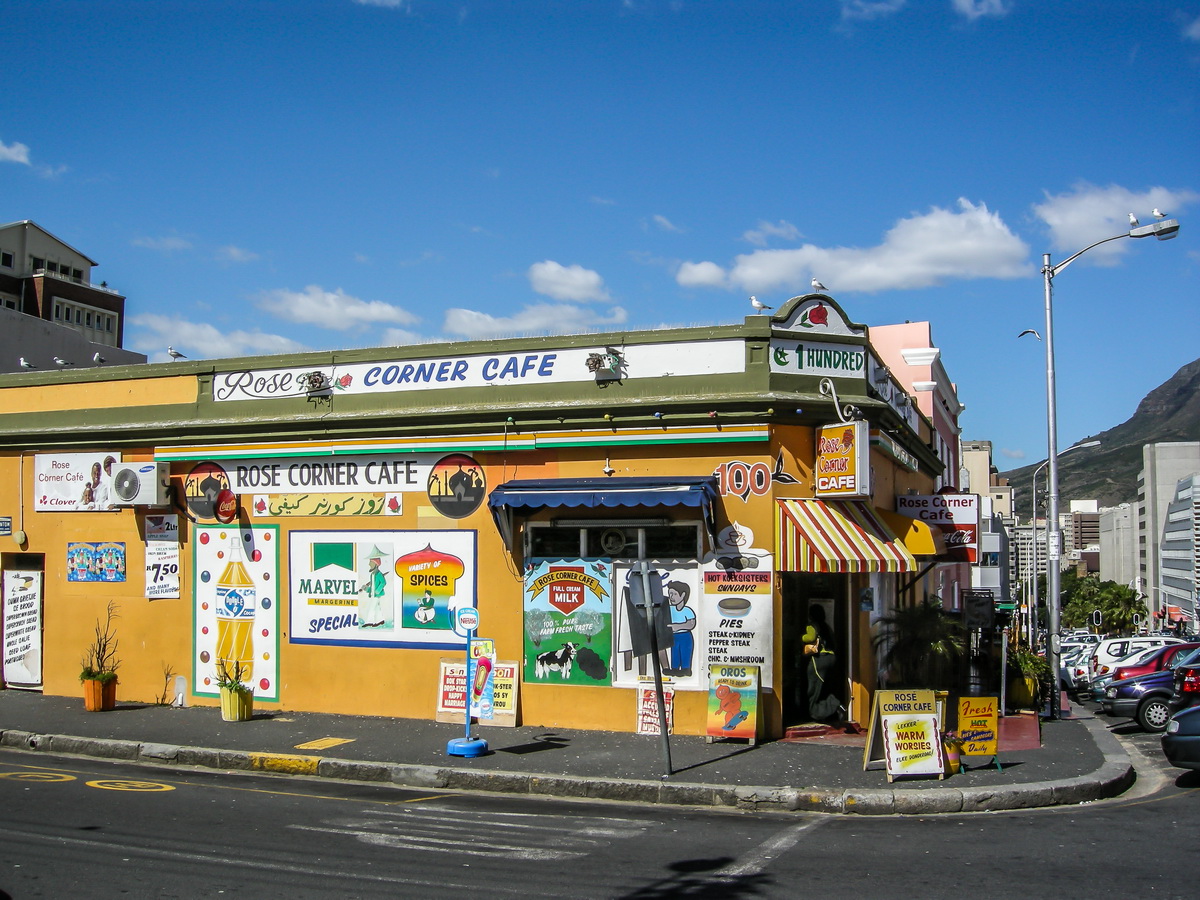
[[840, 536]]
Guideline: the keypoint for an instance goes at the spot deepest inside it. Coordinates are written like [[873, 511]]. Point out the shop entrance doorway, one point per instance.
[[818, 600]]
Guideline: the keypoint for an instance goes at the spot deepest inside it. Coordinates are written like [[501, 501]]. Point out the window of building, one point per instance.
[[989, 559], [52, 266], [76, 274], [6, 259], [623, 540], [79, 317], [36, 262], [108, 324], [87, 320]]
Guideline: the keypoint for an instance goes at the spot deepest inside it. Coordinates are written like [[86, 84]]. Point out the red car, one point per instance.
[[1163, 659]]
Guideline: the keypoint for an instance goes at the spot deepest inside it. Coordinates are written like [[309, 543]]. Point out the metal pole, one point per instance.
[[1033, 524], [658, 683], [1053, 536]]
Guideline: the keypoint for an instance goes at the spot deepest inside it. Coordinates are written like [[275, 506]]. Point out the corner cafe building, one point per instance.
[[321, 518]]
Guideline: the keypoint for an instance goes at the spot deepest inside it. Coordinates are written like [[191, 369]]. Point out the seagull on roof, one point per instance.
[[98, 359], [819, 288], [1158, 214], [758, 304], [175, 354], [26, 364], [1133, 220], [1029, 331], [59, 361]]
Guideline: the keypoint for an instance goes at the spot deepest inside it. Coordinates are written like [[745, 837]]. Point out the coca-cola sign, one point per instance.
[[956, 516]]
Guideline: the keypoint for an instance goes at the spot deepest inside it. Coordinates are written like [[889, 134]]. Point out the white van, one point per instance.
[[1109, 651]]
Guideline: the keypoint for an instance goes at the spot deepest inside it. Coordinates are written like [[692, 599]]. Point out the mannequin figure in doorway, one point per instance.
[[824, 705]]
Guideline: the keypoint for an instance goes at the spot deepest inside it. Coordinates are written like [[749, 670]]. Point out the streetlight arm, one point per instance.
[[1051, 271]]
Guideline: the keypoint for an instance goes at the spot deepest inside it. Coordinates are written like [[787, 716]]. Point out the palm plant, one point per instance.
[[922, 645]]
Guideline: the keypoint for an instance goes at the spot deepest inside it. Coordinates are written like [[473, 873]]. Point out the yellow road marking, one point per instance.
[[122, 785], [44, 777], [324, 743]]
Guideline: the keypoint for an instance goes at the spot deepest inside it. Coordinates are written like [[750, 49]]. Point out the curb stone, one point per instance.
[[1112, 778]]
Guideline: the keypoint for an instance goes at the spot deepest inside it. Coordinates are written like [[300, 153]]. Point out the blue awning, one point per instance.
[[526, 497]]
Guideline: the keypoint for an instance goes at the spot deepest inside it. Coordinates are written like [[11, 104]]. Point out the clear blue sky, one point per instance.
[[262, 177]]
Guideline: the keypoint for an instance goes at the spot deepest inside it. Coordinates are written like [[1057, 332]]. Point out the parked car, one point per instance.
[[1181, 742], [1109, 651], [1145, 698], [1163, 658], [1185, 687], [1099, 683]]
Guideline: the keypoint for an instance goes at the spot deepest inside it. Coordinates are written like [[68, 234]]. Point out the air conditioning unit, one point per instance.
[[142, 484]]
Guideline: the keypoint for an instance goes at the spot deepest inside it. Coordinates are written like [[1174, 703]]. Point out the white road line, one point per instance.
[[755, 861], [439, 845]]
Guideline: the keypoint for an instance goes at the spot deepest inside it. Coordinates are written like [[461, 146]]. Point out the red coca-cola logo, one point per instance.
[[226, 506], [960, 538]]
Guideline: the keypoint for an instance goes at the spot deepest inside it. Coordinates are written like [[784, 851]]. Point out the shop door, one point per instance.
[[802, 591], [21, 583]]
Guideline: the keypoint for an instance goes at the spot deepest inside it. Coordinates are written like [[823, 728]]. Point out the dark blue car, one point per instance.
[[1181, 743], [1145, 698]]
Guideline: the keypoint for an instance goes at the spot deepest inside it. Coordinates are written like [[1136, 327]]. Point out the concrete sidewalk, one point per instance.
[[1078, 759]]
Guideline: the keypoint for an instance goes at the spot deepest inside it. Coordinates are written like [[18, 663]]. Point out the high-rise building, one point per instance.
[[1163, 466]]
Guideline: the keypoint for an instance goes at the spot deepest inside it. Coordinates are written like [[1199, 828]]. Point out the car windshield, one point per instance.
[[1188, 659], [1137, 657]]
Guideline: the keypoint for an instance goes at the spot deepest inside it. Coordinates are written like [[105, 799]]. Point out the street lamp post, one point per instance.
[[1033, 523], [1164, 229]]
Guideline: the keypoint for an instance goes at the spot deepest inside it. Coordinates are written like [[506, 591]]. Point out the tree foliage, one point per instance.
[[1117, 603], [922, 645]]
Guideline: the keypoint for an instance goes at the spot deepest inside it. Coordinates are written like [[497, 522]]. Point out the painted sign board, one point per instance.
[[913, 745], [956, 515], [733, 702], [452, 688], [818, 358], [978, 725], [647, 709], [22, 628], [844, 460], [894, 703], [74, 482]]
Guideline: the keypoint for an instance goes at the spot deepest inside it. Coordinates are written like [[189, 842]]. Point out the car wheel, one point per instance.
[[1154, 714]]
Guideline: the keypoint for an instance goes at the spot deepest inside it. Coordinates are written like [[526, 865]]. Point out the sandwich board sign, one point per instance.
[[895, 703]]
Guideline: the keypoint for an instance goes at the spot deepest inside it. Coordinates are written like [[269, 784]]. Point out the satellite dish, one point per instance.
[[126, 484]]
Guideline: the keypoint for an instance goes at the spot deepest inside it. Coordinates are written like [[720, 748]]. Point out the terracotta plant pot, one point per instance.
[[236, 706], [99, 696]]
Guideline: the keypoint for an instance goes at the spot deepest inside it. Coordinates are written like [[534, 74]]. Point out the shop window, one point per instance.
[[626, 539]]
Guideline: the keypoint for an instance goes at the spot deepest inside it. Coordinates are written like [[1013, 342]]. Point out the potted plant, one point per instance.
[[1030, 680], [922, 646], [99, 672], [237, 699], [952, 742]]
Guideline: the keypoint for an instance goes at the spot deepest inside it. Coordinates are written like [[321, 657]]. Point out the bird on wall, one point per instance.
[[98, 359], [819, 288], [175, 354], [26, 364], [60, 362], [1133, 220], [1030, 331], [758, 304], [1159, 215]]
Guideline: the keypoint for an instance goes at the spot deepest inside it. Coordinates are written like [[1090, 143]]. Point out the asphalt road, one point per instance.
[[90, 829]]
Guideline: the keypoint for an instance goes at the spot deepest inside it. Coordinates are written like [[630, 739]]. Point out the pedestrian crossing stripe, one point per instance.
[[324, 743]]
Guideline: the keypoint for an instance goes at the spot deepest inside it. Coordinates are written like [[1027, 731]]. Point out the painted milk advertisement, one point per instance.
[[568, 622], [676, 626], [380, 588], [22, 629], [236, 596]]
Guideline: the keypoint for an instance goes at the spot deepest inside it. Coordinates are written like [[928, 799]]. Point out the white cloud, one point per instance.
[[761, 235], [14, 152], [666, 224], [975, 9], [163, 245], [1012, 454], [866, 10], [541, 318], [920, 251], [395, 337], [1191, 31], [602, 201], [199, 340], [405, 5], [1089, 213], [234, 254], [561, 282], [701, 274], [336, 310]]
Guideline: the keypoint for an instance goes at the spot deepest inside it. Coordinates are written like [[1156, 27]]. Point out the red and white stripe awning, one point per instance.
[[840, 536]]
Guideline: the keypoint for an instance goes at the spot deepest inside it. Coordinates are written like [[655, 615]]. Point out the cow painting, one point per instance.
[[559, 661]]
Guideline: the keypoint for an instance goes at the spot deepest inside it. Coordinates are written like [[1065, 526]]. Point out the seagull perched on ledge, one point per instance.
[[26, 364], [59, 361], [175, 354], [1133, 220], [759, 305], [1159, 215], [819, 288], [98, 359]]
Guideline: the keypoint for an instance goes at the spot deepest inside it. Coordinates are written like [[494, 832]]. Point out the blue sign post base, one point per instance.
[[465, 746]]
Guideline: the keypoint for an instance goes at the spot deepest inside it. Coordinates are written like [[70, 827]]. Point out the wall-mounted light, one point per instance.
[[658, 415], [608, 417]]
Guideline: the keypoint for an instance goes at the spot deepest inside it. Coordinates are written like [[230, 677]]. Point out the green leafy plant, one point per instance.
[[231, 675], [922, 645], [100, 661], [1030, 665]]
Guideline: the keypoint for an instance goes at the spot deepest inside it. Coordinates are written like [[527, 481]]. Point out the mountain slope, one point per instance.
[[1108, 473]]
